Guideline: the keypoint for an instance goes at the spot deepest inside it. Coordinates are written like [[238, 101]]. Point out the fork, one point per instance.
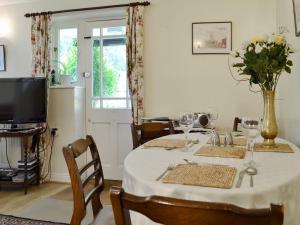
[[169, 168]]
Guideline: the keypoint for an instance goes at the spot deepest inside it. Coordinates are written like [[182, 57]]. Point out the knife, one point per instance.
[[240, 180]]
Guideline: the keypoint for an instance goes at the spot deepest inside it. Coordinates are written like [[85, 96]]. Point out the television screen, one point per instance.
[[23, 100]]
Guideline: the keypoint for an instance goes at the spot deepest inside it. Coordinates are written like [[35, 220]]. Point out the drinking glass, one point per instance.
[[186, 123], [252, 128], [213, 115]]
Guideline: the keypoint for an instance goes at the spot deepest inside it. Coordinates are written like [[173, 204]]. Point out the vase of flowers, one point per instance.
[[262, 61]]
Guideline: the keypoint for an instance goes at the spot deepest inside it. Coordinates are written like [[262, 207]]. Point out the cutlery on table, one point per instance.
[[190, 162], [252, 172], [169, 168], [240, 180]]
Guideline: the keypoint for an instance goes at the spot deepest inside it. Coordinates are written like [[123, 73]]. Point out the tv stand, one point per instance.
[[24, 135], [16, 129]]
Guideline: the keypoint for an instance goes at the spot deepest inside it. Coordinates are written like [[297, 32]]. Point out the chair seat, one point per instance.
[[105, 216]]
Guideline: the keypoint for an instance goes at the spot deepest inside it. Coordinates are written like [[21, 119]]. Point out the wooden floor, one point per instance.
[[12, 200]]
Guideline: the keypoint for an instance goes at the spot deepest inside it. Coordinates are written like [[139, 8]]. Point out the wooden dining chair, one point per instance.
[[82, 196], [149, 131], [172, 211], [236, 123]]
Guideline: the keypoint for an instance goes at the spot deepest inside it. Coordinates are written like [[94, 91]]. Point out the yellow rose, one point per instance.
[[278, 39], [257, 39]]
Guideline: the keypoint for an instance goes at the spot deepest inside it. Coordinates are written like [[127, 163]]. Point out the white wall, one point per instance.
[[169, 61], [289, 85]]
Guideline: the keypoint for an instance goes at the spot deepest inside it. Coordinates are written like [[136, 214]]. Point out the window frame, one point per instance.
[[56, 45], [102, 97]]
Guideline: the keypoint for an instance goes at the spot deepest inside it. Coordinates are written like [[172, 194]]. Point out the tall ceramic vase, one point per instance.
[[269, 127]]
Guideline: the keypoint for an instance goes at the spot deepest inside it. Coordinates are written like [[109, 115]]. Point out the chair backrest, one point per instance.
[[172, 211], [149, 131], [236, 123], [81, 199]]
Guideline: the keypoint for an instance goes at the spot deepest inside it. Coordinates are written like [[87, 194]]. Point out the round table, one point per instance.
[[277, 181]]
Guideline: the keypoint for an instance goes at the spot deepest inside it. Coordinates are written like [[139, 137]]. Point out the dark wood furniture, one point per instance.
[[236, 123], [172, 211], [149, 131], [26, 148], [80, 198]]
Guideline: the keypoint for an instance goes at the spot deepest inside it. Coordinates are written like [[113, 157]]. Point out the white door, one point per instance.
[[108, 113]]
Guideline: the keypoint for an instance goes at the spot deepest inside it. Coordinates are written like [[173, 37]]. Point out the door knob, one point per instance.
[[86, 74]]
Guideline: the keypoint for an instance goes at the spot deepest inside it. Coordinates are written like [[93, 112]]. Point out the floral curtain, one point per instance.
[[40, 42], [135, 60]]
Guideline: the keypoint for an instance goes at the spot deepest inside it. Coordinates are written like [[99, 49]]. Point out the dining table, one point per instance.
[[277, 180]]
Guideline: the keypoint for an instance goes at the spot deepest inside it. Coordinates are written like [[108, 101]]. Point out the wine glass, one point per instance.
[[212, 115], [252, 128], [186, 123]]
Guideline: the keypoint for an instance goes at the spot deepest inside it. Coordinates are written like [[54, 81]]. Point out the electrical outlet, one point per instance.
[[54, 132]]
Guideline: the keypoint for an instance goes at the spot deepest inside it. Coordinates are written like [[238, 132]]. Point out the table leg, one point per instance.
[[25, 148], [38, 159]]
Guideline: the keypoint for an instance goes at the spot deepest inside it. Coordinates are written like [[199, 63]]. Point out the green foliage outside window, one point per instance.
[[109, 76], [69, 66]]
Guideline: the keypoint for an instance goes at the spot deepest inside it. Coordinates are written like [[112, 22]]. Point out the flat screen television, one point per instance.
[[23, 100]]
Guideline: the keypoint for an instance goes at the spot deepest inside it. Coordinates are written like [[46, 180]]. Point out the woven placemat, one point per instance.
[[239, 141], [280, 148], [166, 143], [218, 176], [223, 152]]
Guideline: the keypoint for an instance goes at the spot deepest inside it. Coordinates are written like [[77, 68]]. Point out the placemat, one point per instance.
[[280, 148], [218, 176], [223, 152], [239, 141], [166, 143]]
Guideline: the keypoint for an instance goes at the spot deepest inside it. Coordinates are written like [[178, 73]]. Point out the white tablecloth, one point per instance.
[[277, 181]]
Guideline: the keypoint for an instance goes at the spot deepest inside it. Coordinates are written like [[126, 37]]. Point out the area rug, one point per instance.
[[49, 209], [12, 220]]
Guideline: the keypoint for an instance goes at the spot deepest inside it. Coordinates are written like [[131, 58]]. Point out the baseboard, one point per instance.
[[60, 177]]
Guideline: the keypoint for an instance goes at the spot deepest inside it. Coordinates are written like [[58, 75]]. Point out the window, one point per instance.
[[110, 88], [67, 55]]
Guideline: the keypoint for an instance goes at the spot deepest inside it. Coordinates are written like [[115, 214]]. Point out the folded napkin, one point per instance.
[[223, 152], [239, 141], [280, 148], [167, 143], [218, 176]]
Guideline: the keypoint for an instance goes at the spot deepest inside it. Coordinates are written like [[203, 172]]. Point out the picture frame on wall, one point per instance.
[[2, 58], [296, 6], [212, 37]]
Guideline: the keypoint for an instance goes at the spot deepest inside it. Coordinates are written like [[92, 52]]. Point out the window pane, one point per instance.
[[96, 68], [68, 52], [109, 31], [96, 104], [114, 104], [96, 32], [114, 67]]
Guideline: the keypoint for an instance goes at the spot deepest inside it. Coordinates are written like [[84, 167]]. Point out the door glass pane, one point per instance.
[[96, 32], [114, 104], [110, 31], [68, 52], [114, 67], [96, 67], [96, 104]]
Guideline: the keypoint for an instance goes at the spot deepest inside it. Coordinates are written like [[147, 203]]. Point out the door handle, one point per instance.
[[86, 74]]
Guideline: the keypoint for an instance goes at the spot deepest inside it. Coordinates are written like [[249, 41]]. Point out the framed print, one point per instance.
[[2, 58], [212, 38], [296, 5]]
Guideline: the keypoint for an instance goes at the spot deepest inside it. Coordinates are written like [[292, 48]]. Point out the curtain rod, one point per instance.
[[87, 9]]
